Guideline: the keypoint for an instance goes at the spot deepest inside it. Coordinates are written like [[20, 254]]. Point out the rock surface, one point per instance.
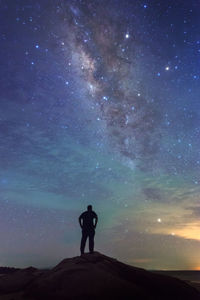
[[94, 276]]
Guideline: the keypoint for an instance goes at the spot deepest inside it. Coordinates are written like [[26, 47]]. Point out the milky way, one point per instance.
[[106, 56], [100, 105]]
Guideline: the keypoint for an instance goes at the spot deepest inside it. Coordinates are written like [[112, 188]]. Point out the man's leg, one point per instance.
[[83, 241], [91, 241]]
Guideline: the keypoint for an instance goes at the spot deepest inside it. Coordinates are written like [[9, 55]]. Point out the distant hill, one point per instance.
[[93, 277], [8, 270]]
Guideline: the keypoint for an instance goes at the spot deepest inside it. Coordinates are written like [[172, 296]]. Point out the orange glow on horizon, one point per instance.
[[190, 231]]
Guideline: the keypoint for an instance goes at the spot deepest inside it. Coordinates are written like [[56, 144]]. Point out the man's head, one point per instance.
[[89, 208]]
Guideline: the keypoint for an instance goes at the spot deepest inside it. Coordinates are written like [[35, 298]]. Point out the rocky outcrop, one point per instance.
[[95, 276]]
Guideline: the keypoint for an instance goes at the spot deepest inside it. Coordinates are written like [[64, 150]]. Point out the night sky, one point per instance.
[[100, 105]]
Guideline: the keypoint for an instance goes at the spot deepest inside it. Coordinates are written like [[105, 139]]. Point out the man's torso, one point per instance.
[[88, 217]]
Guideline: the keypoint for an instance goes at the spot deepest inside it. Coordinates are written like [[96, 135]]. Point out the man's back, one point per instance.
[[87, 219]]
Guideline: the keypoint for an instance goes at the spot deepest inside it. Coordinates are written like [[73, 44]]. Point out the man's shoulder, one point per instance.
[[83, 214], [88, 213]]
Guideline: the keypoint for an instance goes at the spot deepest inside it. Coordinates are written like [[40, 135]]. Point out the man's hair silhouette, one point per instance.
[[86, 221]]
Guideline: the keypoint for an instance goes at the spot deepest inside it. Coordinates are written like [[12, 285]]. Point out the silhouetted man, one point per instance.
[[88, 225]]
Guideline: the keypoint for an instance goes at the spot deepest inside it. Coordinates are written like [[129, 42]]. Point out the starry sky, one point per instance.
[[100, 105]]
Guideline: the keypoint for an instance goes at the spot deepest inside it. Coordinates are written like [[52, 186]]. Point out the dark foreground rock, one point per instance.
[[94, 277]]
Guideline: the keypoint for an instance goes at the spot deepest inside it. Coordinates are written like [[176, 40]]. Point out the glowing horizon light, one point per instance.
[[159, 220]]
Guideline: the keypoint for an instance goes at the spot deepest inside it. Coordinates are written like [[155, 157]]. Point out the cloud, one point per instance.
[[153, 194], [195, 211]]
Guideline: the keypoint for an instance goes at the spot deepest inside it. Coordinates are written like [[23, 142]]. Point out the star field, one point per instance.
[[100, 105]]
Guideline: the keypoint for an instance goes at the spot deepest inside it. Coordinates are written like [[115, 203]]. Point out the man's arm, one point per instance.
[[80, 218], [95, 221]]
